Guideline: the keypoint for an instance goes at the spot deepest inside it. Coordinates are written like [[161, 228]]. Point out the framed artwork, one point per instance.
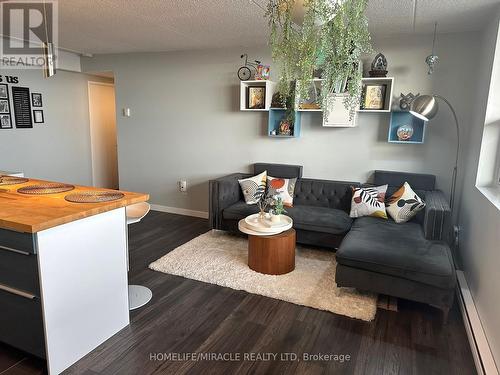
[[22, 107], [36, 99], [4, 106], [256, 97], [4, 91], [374, 96], [38, 116], [5, 121]]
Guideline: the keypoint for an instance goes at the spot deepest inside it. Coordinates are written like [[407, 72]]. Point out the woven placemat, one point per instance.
[[12, 180], [94, 196], [48, 188]]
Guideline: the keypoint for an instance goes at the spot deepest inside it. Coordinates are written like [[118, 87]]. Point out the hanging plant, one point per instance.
[[332, 37]]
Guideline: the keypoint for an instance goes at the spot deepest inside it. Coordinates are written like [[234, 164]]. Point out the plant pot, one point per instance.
[[275, 219]]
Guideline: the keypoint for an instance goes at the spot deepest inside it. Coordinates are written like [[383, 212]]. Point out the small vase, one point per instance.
[[275, 219]]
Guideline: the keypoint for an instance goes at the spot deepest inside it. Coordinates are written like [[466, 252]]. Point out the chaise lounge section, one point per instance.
[[410, 260]]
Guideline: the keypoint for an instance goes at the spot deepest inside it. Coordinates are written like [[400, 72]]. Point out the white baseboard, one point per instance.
[[179, 211], [483, 358]]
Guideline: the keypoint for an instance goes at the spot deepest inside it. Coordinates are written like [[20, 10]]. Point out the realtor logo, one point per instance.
[[26, 25]]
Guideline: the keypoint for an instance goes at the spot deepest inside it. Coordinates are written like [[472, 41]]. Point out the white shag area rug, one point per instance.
[[220, 258]]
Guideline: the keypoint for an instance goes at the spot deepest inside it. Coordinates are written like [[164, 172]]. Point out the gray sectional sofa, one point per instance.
[[410, 260]]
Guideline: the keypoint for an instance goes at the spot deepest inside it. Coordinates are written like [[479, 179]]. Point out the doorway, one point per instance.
[[103, 138]]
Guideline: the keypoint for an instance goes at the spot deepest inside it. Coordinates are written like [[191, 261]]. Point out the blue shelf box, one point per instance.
[[399, 118]]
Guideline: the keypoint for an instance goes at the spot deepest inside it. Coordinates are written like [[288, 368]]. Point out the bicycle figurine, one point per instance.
[[245, 72]]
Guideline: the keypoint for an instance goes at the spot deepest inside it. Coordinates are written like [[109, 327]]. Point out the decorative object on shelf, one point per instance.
[[273, 132], [278, 101], [256, 97], [94, 196], [245, 72], [379, 66], [432, 59], [373, 96], [4, 91], [336, 114], [425, 107], [22, 107], [405, 132], [36, 99], [405, 101], [263, 72], [38, 116], [279, 116], [406, 128], [328, 35], [286, 127], [312, 100]]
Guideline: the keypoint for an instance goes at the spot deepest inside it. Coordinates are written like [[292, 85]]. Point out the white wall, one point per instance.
[[59, 149], [479, 218], [185, 120]]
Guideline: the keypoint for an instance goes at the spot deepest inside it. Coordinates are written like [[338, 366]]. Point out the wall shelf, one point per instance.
[[275, 117], [270, 89], [399, 118], [389, 82]]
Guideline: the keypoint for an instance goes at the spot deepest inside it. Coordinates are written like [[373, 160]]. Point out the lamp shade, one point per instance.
[[424, 107]]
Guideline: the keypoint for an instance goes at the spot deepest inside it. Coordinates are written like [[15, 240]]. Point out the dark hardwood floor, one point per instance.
[[187, 316]]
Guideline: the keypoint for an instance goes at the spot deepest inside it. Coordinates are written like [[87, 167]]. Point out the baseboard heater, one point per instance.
[[481, 351]]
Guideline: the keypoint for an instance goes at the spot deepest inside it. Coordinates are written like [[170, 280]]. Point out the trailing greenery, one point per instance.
[[332, 37]]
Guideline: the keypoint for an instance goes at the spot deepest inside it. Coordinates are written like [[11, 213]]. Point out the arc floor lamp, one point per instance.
[[426, 107]]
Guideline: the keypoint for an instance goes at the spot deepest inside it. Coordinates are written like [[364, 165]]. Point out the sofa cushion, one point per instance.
[[316, 219], [400, 250]]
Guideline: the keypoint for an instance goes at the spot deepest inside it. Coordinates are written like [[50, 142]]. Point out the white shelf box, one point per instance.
[[270, 90], [389, 82], [338, 115]]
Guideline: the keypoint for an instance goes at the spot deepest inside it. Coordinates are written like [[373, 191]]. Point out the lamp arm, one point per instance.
[[455, 169]]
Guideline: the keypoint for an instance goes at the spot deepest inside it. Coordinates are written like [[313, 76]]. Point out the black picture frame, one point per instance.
[[252, 94], [6, 121], [36, 100], [36, 113], [21, 99], [374, 96], [4, 106], [4, 91]]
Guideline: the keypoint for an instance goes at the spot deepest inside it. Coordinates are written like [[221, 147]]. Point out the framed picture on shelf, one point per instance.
[[4, 106], [36, 99], [263, 72], [373, 96], [256, 97], [38, 116], [4, 91], [5, 121]]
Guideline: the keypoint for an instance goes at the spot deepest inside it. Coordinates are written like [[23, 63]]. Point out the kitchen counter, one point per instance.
[[34, 213], [63, 273]]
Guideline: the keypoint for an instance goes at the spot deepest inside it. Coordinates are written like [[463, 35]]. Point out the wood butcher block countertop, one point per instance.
[[34, 213]]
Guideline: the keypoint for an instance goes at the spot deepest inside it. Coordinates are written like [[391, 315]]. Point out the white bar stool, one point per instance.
[[138, 295]]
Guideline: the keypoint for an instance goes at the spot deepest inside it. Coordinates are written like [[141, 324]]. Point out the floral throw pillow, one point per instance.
[[254, 188], [282, 187], [404, 204], [369, 201]]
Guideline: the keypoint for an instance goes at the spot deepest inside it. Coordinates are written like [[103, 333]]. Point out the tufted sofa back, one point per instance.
[[324, 193]]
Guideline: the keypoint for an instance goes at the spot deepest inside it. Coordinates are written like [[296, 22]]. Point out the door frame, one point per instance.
[[92, 161]]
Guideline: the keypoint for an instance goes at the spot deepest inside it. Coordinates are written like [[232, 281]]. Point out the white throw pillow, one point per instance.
[[404, 204], [282, 187], [254, 188], [369, 201]]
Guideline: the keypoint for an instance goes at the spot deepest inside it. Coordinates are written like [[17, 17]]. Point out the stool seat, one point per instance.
[[135, 212]]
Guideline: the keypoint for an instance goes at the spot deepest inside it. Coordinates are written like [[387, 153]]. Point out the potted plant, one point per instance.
[[278, 210], [330, 36]]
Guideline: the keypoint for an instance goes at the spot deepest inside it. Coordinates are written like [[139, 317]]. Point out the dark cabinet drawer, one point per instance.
[[21, 323], [17, 242], [19, 271]]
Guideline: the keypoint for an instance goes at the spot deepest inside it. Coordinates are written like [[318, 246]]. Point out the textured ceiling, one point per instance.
[[116, 26]]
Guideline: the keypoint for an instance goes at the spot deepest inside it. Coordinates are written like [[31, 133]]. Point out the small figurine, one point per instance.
[[379, 66], [405, 101]]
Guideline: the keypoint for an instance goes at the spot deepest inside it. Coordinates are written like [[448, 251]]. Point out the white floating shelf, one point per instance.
[[270, 89], [389, 82]]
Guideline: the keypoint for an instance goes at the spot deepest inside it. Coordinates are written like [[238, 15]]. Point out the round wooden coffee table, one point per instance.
[[272, 254]]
